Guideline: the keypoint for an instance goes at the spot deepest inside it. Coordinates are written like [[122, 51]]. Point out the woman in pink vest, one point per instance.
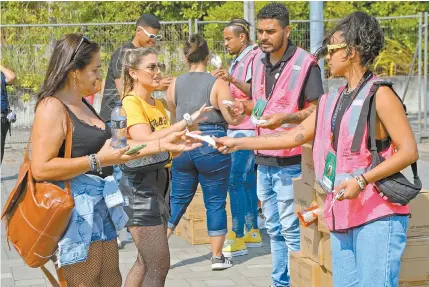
[[368, 233]]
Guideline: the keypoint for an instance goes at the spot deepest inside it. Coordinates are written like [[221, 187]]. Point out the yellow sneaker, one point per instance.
[[234, 246], [253, 238]]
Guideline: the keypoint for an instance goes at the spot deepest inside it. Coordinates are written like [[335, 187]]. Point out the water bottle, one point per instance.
[[118, 122]]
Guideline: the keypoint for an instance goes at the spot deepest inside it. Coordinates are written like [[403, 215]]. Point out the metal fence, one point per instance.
[[26, 49]]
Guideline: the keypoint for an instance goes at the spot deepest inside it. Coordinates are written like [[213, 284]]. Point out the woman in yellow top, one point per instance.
[[145, 187]]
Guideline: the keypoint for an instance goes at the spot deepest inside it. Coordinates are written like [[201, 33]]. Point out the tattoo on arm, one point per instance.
[[298, 117], [276, 135], [299, 138]]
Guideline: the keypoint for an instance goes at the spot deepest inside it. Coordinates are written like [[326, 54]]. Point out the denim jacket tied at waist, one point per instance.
[[88, 190]]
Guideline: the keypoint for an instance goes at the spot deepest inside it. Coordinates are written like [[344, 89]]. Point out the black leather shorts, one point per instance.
[[144, 195]]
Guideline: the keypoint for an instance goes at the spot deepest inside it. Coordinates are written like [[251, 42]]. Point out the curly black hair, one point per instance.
[[275, 11], [361, 32], [239, 26]]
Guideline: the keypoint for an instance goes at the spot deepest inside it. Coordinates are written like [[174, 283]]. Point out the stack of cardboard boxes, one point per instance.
[[193, 225], [312, 266]]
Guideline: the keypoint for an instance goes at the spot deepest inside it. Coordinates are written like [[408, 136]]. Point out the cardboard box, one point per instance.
[[197, 209], [195, 230], [306, 273], [310, 238], [325, 252], [321, 224], [419, 215], [307, 164], [415, 260], [303, 195], [424, 283]]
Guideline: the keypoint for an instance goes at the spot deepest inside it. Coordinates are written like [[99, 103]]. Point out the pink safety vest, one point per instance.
[[369, 205], [240, 73], [285, 96]]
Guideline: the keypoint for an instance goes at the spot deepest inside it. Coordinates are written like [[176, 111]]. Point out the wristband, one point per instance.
[[188, 119]]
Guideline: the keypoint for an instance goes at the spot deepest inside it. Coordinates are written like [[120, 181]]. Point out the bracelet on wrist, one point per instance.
[[366, 182], [99, 167]]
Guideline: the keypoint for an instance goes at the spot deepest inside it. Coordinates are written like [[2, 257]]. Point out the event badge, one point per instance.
[[328, 179], [258, 109]]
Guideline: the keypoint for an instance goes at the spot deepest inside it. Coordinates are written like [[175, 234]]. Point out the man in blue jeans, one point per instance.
[[286, 83], [242, 180]]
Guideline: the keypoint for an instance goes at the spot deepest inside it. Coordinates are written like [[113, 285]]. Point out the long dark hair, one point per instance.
[[72, 52]]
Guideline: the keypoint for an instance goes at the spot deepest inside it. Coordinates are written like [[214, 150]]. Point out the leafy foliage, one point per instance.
[[27, 49]]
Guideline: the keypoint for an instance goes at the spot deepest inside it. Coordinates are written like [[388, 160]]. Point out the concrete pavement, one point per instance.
[[190, 265]]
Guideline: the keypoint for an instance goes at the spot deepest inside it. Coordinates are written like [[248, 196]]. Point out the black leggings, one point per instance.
[[153, 257]]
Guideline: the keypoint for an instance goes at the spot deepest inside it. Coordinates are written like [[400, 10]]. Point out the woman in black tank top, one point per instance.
[[73, 71]]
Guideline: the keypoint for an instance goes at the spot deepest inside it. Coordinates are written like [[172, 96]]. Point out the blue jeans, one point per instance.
[[370, 255], [275, 191], [211, 169], [242, 187]]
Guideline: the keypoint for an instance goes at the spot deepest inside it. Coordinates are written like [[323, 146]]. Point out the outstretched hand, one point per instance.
[[226, 145], [273, 121], [178, 142], [198, 115]]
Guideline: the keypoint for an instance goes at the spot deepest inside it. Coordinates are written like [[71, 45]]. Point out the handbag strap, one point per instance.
[[369, 114], [60, 273], [67, 152]]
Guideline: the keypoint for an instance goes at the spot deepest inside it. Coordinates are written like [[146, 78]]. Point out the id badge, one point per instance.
[[258, 109], [328, 179]]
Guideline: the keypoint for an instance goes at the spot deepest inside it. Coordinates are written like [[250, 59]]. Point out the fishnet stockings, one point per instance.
[[153, 258], [101, 269]]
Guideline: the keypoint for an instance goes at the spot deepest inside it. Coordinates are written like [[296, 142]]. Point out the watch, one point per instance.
[[360, 182], [187, 117]]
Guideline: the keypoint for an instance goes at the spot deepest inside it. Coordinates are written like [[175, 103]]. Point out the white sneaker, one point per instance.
[[119, 242], [221, 263]]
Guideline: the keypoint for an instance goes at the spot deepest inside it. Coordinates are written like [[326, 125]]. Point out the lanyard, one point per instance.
[[276, 78], [338, 115]]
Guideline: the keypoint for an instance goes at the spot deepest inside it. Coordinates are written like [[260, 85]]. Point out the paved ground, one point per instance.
[[190, 265]]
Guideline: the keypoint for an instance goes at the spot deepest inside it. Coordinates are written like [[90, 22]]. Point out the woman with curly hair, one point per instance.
[[368, 232]]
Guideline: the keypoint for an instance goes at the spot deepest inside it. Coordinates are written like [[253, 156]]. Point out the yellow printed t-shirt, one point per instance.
[[140, 112]]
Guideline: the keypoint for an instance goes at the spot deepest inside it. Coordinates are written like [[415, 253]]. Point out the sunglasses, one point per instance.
[[151, 36], [154, 68], [78, 46], [334, 47]]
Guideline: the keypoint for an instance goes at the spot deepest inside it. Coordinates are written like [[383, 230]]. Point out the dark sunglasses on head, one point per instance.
[[78, 46]]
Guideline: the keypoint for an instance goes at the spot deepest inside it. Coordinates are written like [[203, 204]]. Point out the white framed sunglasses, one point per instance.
[[151, 36]]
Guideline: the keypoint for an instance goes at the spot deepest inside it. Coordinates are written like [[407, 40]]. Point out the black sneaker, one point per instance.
[[221, 263]]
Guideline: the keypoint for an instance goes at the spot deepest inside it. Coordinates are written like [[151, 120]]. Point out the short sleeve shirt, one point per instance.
[[140, 112], [110, 93]]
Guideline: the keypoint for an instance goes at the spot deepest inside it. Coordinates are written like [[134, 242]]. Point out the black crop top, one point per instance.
[[87, 139]]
